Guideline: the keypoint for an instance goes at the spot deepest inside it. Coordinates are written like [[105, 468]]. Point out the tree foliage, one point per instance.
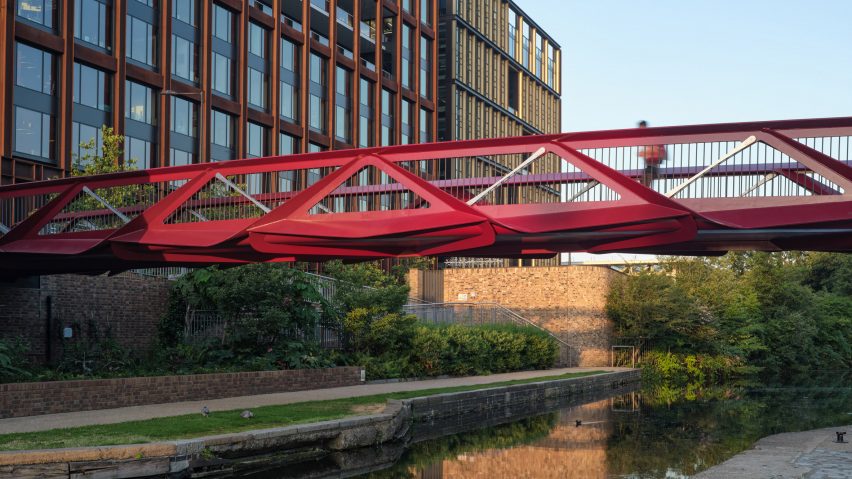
[[782, 312]]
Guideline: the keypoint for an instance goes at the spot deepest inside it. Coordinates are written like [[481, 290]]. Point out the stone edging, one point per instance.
[[394, 423]]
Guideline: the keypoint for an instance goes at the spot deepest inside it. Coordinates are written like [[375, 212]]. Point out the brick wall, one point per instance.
[[569, 301], [127, 306], [28, 399]]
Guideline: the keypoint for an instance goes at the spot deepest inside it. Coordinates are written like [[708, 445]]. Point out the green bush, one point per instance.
[[668, 367]]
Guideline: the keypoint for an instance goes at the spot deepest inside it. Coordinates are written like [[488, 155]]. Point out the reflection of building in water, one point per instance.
[[568, 452]]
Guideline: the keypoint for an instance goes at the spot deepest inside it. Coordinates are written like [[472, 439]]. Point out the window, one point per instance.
[[139, 153], [222, 77], [551, 66], [317, 105], [139, 103], [287, 144], [179, 157], [513, 27], [407, 57], [426, 12], [140, 135], [222, 129], [387, 117], [407, 6], [425, 68], [262, 6], [223, 50], [223, 21], [256, 140], [141, 41], [92, 22], [82, 133], [256, 88], [184, 10], [539, 66], [513, 90], [91, 87], [35, 69], [257, 40], [257, 67], [289, 81], [365, 114], [407, 117], [42, 12], [183, 58], [34, 133], [184, 117], [425, 126], [525, 46], [343, 105]]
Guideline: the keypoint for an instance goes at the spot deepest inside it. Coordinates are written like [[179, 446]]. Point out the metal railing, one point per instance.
[[202, 325]]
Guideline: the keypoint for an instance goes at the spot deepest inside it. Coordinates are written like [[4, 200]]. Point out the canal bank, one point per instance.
[[400, 423], [814, 453]]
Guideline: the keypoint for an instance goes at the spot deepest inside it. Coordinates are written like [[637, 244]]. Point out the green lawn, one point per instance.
[[219, 422]]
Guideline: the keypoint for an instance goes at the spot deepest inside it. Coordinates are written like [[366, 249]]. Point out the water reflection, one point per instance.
[[660, 432]]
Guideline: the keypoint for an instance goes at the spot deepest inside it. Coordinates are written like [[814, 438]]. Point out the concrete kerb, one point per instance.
[[393, 423]]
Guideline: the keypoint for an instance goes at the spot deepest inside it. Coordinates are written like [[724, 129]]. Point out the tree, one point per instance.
[[103, 158]]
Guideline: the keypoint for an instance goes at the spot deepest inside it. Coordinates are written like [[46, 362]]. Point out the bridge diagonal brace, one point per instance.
[[742, 146], [230, 184], [508, 175], [106, 204], [4, 229], [765, 179], [589, 186]]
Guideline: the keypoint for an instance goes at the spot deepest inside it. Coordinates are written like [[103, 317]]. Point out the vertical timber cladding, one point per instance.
[[569, 301], [499, 77]]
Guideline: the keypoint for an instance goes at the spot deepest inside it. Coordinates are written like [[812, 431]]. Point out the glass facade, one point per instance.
[[326, 95]]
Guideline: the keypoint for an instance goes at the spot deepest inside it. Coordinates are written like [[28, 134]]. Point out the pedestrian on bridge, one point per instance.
[[653, 155]]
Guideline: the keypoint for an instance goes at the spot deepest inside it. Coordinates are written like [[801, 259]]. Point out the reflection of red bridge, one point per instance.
[[765, 186]]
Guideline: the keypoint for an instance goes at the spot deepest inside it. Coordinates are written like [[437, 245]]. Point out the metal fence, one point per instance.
[[201, 325]]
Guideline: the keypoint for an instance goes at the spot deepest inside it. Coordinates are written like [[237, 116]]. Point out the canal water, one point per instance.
[[656, 432], [659, 432]]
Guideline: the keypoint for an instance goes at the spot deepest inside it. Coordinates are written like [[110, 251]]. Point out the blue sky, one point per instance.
[[689, 61]]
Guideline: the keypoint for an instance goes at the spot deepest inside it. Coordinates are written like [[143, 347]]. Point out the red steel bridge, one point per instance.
[[774, 185]]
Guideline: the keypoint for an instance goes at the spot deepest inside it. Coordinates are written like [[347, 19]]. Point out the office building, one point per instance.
[[188, 81]]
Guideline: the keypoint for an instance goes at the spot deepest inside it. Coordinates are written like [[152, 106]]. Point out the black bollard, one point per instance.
[[840, 436]]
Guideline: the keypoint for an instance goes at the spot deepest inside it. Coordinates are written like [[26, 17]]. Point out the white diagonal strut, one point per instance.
[[766, 178], [508, 175], [233, 186], [583, 191], [742, 146], [106, 204], [4, 229]]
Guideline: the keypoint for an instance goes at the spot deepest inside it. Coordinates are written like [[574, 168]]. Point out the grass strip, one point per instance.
[[221, 422]]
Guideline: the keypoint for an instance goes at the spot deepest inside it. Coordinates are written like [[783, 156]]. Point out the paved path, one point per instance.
[[133, 413], [808, 454]]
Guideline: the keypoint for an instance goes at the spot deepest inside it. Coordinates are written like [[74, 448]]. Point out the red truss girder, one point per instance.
[[45, 231]]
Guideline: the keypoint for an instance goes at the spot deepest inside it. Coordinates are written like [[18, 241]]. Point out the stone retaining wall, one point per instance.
[[29, 399], [401, 422]]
